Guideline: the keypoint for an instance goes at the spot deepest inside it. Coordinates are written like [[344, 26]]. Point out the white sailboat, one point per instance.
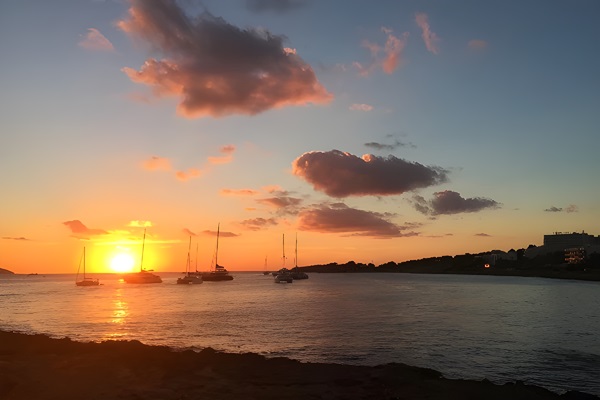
[[283, 275], [143, 276], [219, 273], [190, 277], [296, 272], [86, 281]]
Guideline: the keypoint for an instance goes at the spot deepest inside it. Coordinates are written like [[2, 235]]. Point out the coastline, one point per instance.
[[39, 367]]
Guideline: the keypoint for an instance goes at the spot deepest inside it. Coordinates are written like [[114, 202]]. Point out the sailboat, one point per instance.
[[219, 273], [190, 277], [283, 275], [143, 276], [296, 272], [86, 281]]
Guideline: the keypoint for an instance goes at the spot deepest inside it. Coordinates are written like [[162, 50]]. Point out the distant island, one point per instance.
[[5, 271], [496, 262]]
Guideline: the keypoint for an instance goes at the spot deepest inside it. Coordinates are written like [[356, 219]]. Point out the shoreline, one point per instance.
[[39, 367]]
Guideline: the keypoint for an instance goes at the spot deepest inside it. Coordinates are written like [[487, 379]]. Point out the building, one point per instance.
[[559, 241], [575, 255]]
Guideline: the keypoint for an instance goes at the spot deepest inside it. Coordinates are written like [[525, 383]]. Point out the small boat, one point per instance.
[[219, 273], [86, 281], [296, 272], [283, 275], [144, 276], [190, 277]]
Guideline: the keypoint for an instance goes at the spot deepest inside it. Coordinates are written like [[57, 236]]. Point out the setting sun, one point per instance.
[[122, 262]]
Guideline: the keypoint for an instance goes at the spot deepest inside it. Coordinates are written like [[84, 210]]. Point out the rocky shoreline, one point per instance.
[[38, 367]]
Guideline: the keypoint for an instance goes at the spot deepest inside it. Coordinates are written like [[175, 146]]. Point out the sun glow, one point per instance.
[[122, 262]]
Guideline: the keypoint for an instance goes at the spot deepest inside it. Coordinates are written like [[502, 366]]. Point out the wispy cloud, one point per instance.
[[81, 231], [239, 192], [215, 68], [339, 218], [449, 202], [429, 37], [189, 174], [257, 224], [279, 6], [361, 107], [226, 158], [156, 163], [388, 57], [188, 232], [15, 238], [95, 40], [482, 235], [384, 146], [140, 224], [477, 44], [571, 208], [341, 174]]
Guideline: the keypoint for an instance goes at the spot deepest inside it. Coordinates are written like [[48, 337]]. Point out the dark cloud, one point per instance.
[[188, 232], [80, 230], [553, 209], [221, 234], [215, 68], [571, 208], [339, 218], [389, 147], [483, 235], [15, 238], [342, 174], [280, 201], [449, 202], [257, 224], [279, 6]]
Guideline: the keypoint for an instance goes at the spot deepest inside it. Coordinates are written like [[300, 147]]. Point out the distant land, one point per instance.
[[496, 262], [5, 271]]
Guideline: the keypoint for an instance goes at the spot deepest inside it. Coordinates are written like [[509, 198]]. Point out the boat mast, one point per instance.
[[296, 254], [189, 261], [217, 250], [142, 258], [83, 262], [283, 248], [196, 257]]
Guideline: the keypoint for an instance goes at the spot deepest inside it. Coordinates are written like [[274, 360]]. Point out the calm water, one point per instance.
[[540, 331]]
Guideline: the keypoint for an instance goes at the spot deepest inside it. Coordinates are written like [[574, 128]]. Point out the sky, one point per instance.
[[362, 131]]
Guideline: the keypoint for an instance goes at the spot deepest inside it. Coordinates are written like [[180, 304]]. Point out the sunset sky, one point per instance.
[[374, 131]]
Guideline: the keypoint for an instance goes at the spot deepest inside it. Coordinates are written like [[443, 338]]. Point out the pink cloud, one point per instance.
[[340, 174], [157, 164], [227, 158], [392, 51], [257, 224], [187, 175], [361, 107], [79, 230], [429, 37], [339, 218], [94, 40], [477, 44], [239, 192], [215, 68]]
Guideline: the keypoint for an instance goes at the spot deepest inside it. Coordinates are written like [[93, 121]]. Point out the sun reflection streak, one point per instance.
[[120, 314]]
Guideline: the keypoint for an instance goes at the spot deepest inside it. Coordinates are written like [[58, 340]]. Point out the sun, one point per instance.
[[122, 262]]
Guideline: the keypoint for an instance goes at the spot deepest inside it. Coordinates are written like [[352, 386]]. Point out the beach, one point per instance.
[[39, 367]]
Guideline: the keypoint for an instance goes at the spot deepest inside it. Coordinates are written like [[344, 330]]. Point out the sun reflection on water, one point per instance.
[[120, 314]]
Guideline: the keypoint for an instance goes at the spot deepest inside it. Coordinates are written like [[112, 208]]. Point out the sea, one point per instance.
[[505, 329]]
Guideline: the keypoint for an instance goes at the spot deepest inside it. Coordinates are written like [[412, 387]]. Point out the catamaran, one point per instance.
[[219, 273], [144, 276], [190, 277], [86, 281]]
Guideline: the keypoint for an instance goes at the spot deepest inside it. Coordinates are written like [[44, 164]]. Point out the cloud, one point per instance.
[[389, 147], [94, 40], [339, 218], [280, 202], [553, 209], [155, 163], [221, 234], [257, 224], [189, 174], [227, 158], [361, 107], [15, 238], [477, 44], [392, 52], [429, 37], [279, 6], [340, 174], [449, 202], [188, 232], [571, 208], [482, 235], [215, 68], [239, 192], [140, 224], [80, 230]]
